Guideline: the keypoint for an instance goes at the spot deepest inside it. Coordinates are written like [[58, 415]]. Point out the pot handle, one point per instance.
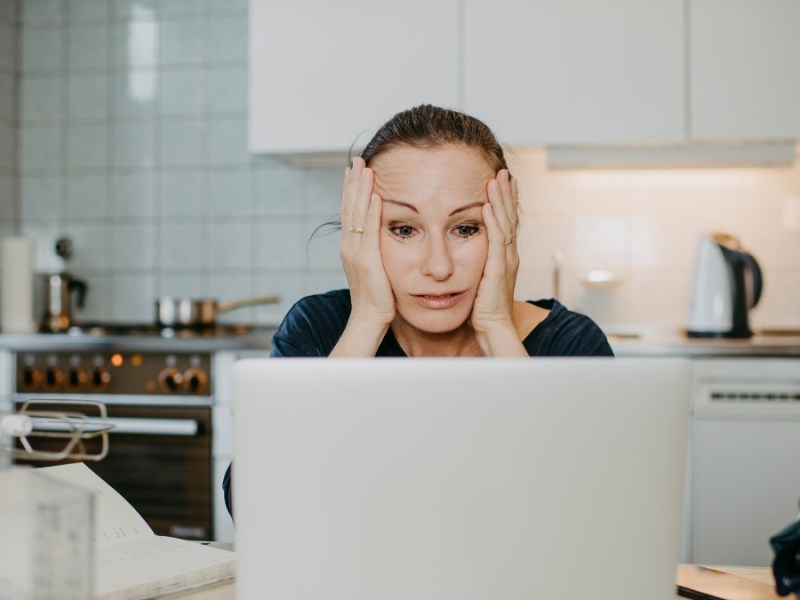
[[226, 306]]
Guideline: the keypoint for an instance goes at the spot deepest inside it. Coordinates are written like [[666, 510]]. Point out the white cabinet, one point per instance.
[[540, 71], [745, 457], [325, 74], [745, 78], [322, 73]]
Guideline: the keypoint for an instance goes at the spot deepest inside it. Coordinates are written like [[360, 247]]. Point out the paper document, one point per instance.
[[131, 562]]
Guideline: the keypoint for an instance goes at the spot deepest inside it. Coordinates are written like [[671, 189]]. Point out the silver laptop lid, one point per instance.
[[454, 479]]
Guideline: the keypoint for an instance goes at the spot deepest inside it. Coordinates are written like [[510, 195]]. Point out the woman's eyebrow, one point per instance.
[[479, 203], [467, 207], [401, 203]]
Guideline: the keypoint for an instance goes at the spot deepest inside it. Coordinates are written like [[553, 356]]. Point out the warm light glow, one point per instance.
[[117, 360], [137, 360]]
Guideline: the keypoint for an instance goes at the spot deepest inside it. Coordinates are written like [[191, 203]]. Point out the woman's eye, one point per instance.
[[466, 231], [402, 231]]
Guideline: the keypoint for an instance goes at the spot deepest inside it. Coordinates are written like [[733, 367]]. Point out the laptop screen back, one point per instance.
[[457, 479]]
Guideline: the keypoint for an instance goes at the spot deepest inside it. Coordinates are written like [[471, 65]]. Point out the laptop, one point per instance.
[[459, 479]]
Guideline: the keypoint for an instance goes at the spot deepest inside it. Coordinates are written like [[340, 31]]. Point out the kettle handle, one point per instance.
[[80, 286], [758, 280]]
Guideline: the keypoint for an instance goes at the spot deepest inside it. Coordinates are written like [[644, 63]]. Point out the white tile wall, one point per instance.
[[132, 140], [133, 196], [7, 149], [87, 197], [87, 97], [643, 226], [8, 118], [8, 42]]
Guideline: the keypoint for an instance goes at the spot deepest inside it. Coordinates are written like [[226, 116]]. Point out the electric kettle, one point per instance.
[[727, 283], [57, 290]]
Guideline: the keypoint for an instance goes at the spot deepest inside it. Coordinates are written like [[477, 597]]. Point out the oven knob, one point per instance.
[[170, 379], [101, 379], [76, 378], [195, 381], [29, 379], [53, 378]]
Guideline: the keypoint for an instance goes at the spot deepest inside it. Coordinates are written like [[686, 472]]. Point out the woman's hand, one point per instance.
[[492, 312], [373, 304]]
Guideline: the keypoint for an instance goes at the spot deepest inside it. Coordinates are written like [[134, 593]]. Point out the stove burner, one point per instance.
[[151, 330]]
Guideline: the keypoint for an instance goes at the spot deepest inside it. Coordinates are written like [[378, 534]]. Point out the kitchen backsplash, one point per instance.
[[130, 121]]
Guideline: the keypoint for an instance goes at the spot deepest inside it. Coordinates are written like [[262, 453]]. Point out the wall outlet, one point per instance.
[[791, 214]]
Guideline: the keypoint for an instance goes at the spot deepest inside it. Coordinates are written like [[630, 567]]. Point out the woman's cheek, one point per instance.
[[473, 253], [394, 256]]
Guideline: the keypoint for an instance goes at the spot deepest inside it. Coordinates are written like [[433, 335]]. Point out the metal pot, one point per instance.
[[199, 313]]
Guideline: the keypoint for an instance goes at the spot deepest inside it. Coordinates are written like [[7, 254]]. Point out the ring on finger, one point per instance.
[[509, 242], [356, 229]]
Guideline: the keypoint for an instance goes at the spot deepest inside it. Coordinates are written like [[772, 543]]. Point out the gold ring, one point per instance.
[[509, 242], [356, 229]]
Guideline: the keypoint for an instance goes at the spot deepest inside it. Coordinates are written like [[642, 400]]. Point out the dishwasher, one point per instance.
[[745, 455]]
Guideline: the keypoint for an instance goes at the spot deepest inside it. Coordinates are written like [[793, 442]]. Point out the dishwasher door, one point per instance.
[[745, 457]]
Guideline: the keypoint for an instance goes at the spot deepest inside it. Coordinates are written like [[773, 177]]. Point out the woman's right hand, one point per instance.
[[370, 292]]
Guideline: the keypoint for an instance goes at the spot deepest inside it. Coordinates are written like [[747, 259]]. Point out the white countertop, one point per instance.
[[676, 344]]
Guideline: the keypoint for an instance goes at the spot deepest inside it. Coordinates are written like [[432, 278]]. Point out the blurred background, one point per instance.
[[124, 126]]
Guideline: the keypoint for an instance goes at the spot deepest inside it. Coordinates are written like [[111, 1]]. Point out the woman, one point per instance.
[[429, 222]]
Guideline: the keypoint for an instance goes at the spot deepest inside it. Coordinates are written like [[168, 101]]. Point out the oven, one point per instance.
[[161, 455]]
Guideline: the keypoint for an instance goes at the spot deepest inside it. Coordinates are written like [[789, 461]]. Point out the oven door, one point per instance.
[[159, 460]]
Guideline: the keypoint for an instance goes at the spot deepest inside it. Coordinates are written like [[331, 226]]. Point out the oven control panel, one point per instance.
[[114, 372]]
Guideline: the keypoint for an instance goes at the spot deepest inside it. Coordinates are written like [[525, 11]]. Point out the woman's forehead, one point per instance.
[[441, 169]]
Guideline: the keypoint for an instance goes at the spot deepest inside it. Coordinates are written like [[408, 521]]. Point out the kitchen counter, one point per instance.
[[258, 338], [680, 345]]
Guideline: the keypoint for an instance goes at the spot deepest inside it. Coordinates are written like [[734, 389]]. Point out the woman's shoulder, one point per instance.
[[313, 325], [334, 300], [564, 332]]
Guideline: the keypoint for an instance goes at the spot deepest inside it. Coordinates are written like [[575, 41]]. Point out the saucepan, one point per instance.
[[199, 313]]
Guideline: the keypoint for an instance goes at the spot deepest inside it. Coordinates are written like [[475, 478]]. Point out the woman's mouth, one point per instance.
[[438, 301]]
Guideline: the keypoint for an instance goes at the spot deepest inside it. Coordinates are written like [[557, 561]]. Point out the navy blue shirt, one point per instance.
[[313, 326]]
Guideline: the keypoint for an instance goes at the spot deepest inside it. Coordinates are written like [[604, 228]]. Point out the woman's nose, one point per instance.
[[437, 262]]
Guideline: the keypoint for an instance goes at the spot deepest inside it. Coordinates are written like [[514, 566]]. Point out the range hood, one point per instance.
[[687, 155]]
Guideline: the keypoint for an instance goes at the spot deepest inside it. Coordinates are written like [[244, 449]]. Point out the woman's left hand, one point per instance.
[[492, 311]]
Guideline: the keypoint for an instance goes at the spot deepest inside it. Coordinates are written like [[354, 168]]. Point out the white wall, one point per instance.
[[132, 141], [643, 225], [8, 113]]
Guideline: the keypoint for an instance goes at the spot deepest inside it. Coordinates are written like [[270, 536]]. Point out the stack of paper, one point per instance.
[[131, 562]]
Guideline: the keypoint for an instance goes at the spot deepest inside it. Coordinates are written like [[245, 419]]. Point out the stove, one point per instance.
[[167, 391], [151, 330]]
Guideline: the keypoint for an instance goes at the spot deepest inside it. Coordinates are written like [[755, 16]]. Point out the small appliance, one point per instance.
[[57, 290], [727, 283]]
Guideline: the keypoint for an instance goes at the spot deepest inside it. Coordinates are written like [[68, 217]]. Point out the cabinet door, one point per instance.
[[745, 79], [322, 73], [745, 488], [576, 71]]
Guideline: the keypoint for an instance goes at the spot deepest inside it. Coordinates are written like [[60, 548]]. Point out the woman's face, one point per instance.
[[433, 240]]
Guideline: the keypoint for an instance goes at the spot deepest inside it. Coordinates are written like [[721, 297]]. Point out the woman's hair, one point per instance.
[[427, 126]]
